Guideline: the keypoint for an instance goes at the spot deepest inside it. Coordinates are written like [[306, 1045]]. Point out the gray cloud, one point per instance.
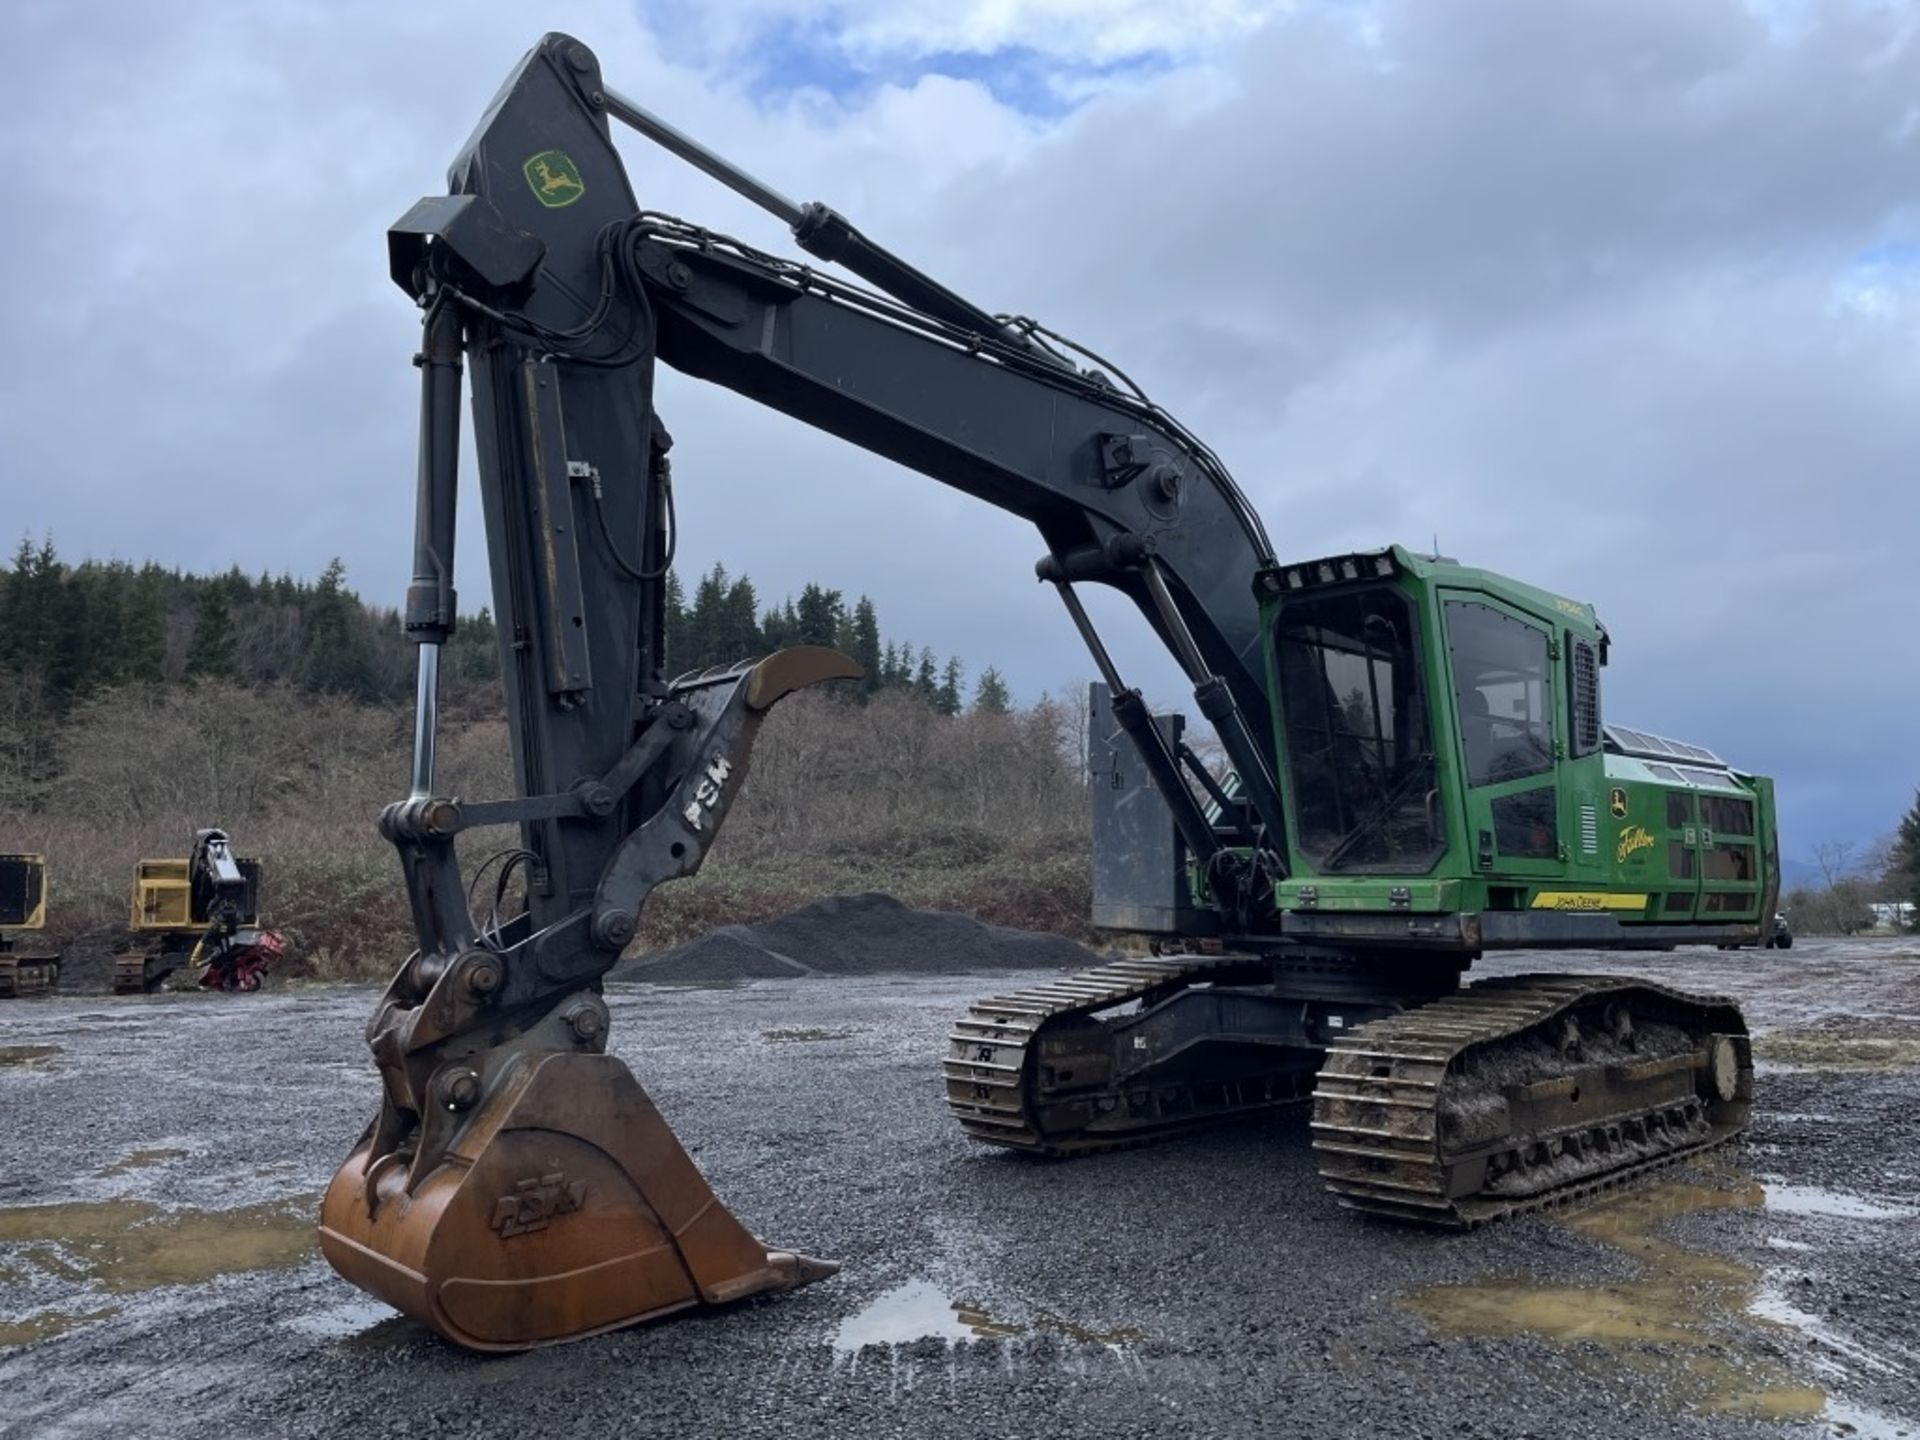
[[1616, 295]]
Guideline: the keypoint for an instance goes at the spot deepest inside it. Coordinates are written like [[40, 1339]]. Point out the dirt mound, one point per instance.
[[854, 935]]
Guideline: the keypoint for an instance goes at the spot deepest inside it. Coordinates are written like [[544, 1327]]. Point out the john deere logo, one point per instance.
[[1617, 803], [555, 179]]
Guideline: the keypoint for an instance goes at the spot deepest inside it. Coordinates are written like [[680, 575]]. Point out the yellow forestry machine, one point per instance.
[[201, 912], [1421, 774], [27, 964]]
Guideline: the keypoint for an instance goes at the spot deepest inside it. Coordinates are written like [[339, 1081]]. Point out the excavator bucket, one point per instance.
[[567, 1208], [518, 1187]]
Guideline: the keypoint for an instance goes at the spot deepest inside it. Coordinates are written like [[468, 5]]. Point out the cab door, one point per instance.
[[1505, 709]]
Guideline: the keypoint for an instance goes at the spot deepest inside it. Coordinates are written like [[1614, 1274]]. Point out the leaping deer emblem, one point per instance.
[[553, 178], [552, 184]]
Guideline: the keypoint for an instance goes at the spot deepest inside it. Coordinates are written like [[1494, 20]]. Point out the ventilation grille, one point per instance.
[[1583, 688]]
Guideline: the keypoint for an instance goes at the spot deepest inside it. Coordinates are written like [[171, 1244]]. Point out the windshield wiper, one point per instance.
[[1422, 769]]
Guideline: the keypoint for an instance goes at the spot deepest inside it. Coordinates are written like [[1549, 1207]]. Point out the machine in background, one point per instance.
[[28, 964], [203, 911]]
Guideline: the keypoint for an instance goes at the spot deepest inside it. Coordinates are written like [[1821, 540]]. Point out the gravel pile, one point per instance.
[[854, 935]]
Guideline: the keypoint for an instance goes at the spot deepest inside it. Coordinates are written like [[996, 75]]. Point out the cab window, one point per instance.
[[1359, 742], [1500, 686]]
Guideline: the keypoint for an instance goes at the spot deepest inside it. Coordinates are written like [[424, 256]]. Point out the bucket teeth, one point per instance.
[[798, 1270]]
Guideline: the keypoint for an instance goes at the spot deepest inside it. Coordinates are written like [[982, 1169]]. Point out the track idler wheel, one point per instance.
[[566, 1207]]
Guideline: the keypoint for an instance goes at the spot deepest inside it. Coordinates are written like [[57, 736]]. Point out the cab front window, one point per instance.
[[1358, 734]]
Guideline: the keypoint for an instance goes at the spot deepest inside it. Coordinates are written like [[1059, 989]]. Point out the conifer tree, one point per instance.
[[991, 696], [212, 651], [338, 658], [706, 620], [143, 641], [474, 651], [740, 632], [818, 617], [678, 634], [1907, 856], [861, 640], [947, 698]]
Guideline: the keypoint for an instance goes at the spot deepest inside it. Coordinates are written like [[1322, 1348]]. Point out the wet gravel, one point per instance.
[[1206, 1287]]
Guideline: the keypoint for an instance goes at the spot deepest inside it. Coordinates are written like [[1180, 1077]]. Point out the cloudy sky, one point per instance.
[[1616, 295]]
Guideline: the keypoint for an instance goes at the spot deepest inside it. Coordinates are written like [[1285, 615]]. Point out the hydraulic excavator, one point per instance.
[[1419, 774]]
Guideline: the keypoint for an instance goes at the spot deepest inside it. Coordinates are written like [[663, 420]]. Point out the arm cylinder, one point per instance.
[[825, 232], [671, 138]]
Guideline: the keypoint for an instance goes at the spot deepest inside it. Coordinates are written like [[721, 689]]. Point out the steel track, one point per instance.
[[1381, 1140]]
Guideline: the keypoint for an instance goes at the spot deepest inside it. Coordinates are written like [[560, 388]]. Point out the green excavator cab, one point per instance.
[[1452, 783]]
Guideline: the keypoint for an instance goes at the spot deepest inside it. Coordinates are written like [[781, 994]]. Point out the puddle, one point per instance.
[[1832, 1050], [26, 1055], [47, 1324], [1859, 1423], [1669, 1325], [1773, 1305], [127, 1245], [919, 1311], [140, 1160], [357, 1319], [1812, 1200], [789, 1036]]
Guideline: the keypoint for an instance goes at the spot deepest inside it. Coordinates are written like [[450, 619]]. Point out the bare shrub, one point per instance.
[[298, 779], [978, 812], [893, 773], [149, 753]]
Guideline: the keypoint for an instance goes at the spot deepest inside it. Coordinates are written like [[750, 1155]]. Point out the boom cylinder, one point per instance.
[[1216, 704]]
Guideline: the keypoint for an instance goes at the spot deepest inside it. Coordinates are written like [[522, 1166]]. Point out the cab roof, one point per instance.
[[1432, 569]]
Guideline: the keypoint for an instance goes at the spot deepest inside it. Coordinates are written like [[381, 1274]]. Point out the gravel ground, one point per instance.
[[163, 1160]]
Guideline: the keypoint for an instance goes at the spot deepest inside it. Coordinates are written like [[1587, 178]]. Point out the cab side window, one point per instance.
[[1500, 684]]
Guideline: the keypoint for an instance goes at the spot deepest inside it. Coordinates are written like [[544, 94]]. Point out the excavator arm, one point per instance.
[[517, 1186]]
